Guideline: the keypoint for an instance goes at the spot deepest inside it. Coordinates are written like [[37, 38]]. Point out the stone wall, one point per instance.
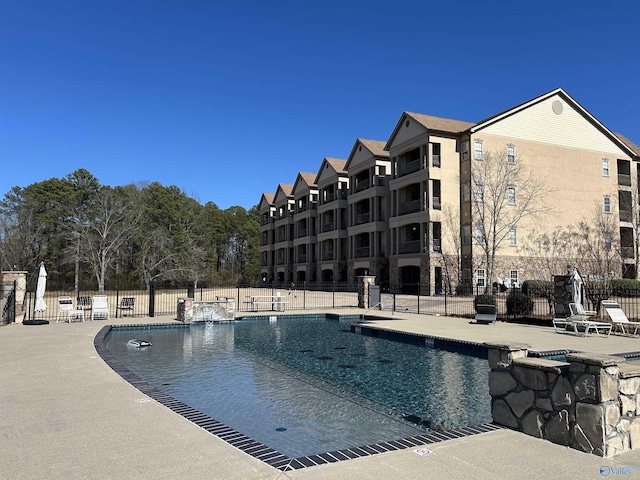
[[190, 310], [590, 402], [562, 295]]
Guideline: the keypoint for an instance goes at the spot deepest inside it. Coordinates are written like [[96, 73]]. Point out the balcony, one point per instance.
[[302, 232], [410, 207], [436, 203], [437, 245], [328, 227], [362, 185], [302, 258], [362, 252], [409, 247]]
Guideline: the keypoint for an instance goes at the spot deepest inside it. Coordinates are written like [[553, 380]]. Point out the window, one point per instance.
[[480, 233], [511, 195], [607, 241], [478, 150], [513, 239], [607, 204], [605, 167], [481, 277], [513, 276], [511, 154], [479, 192]]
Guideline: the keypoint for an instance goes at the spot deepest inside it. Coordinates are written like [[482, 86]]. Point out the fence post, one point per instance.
[[152, 298], [117, 299], [334, 294], [445, 304], [304, 295], [419, 287]]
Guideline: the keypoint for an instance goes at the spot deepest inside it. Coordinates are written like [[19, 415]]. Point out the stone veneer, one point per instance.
[[190, 310], [590, 403]]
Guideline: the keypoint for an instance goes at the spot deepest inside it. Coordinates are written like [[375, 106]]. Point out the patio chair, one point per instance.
[[126, 305], [84, 303], [100, 307], [67, 311], [619, 318]]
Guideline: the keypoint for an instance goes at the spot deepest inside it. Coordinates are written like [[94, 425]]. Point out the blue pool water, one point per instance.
[[308, 385]]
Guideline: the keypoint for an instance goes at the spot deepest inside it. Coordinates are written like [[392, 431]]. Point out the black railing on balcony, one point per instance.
[[624, 179], [363, 218], [405, 168], [362, 185], [302, 232], [362, 252], [328, 227], [327, 256], [409, 247], [410, 207], [625, 215], [302, 258], [437, 245]]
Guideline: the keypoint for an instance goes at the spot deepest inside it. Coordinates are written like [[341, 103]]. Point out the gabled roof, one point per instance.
[[309, 179], [436, 124], [336, 164], [629, 143], [283, 190], [375, 147], [267, 198], [567, 98]]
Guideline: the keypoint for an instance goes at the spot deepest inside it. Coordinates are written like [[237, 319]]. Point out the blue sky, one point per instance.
[[228, 99]]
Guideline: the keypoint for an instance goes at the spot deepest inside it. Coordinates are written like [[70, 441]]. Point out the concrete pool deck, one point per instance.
[[65, 414]]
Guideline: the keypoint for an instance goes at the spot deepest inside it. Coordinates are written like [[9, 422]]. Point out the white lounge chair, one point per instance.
[[619, 318], [581, 324], [100, 307], [578, 309]]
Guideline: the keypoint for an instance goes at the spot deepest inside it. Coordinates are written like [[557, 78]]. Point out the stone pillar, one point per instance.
[[598, 409], [20, 278], [562, 295], [363, 290]]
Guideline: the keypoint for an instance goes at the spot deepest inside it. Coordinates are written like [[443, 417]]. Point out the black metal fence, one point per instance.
[[317, 296], [9, 303]]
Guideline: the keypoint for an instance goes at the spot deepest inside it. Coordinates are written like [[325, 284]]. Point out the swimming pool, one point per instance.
[[304, 384]]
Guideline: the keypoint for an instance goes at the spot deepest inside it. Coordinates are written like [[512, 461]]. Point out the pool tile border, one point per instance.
[[256, 449]]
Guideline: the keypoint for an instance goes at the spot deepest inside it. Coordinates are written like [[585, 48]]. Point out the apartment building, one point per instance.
[[408, 208], [305, 196]]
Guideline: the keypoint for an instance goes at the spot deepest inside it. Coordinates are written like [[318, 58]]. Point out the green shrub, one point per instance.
[[538, 288], [483, 300], [519, 304], [463, 289], [624, 287]]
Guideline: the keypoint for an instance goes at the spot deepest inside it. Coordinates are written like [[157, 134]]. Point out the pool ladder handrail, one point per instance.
[[379, 304]]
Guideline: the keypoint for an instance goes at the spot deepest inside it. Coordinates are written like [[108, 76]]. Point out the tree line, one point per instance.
[[95, 236]]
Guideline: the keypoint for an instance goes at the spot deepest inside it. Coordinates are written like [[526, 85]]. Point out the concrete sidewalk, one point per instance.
[[65, 414]]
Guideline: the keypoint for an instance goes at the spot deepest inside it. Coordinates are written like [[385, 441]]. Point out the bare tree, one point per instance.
[[451, 248], [114, 220], [504, 194]]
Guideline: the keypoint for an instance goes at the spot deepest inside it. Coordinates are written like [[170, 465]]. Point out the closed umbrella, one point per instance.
[[40, 288], [576, 287]]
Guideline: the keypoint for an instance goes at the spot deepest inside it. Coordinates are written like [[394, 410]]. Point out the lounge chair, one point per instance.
[[581, 325], [100, 307], [486, 314], [619, 318], [578, 309]]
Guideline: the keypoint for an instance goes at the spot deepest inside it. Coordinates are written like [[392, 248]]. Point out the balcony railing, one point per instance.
[[409, 247], [624, 179], [302, 258], [327, 256], [408, 167], [436, 203], [437, 245], [362, 252], [302, 232], [363, 218], [410, 207], [625, 215], [328, 227]]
